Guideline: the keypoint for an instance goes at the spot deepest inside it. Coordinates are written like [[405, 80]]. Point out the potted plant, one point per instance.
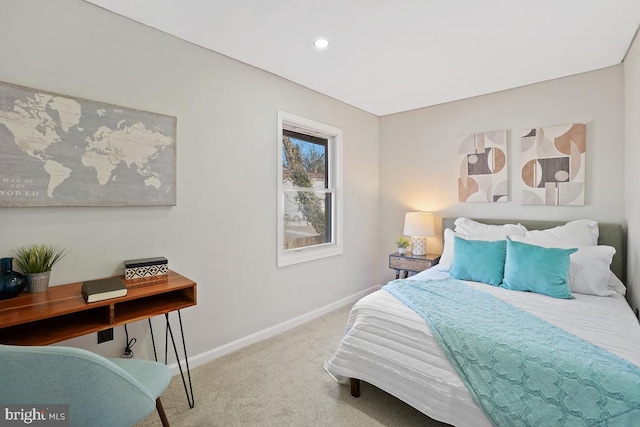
[[402, 243], [36, 262]]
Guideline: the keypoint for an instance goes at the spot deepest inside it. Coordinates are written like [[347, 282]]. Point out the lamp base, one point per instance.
[[419, 245]]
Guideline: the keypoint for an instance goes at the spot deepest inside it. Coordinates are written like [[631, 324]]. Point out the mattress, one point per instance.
[[390, 346]]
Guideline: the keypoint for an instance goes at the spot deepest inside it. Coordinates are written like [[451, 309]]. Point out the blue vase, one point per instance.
[[11, 282]]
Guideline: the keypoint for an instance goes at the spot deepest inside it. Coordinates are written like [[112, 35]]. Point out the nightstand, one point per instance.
[[409, 264]]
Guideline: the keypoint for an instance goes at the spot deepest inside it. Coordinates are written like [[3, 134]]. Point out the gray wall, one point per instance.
[[222, 233], [419, 161], [632, 156]]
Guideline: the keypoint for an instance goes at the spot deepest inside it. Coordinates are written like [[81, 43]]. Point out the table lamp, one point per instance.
[[418, 225]]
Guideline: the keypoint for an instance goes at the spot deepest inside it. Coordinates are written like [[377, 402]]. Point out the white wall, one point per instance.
[[632, 156], [222, 233], [419, 161], [226, 183]]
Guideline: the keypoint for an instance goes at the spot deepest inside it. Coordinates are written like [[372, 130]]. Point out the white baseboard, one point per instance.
[[207, 356]]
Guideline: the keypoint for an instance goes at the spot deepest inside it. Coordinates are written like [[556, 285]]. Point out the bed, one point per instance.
[[390, 346]]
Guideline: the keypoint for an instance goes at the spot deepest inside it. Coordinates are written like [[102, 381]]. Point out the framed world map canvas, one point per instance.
[[57, 150]]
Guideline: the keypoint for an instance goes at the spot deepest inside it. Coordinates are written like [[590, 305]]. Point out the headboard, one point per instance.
[[610, 234]]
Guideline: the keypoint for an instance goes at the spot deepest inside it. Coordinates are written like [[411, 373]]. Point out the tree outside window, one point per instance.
[[304, 171], [307, 188]]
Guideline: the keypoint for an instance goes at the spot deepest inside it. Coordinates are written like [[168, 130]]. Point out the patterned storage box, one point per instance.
[[145, 267]]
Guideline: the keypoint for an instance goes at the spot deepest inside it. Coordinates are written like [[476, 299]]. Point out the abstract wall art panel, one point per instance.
[[483, 167], [552, 161]]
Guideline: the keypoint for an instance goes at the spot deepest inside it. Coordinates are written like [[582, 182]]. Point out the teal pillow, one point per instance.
[[478, 260], [537, 269]]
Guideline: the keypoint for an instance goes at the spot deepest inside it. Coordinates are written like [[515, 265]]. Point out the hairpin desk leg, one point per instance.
[[153, 340], [168, 332], [189, 392]]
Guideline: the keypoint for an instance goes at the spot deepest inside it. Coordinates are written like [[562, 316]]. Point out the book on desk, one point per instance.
[[102, 289]]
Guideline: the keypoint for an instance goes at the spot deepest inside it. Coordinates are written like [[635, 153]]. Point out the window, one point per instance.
[[309, 190]]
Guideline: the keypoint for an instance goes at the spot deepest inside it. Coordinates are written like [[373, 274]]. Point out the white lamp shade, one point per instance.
[[418, 224]]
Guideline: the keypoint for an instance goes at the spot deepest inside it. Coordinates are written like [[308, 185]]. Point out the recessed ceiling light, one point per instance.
[[321, 43]]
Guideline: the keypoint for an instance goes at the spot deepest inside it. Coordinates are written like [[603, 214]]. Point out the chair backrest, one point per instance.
[[97, 391]]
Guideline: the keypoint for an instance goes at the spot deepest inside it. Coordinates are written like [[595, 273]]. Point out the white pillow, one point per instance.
[[446, 259], [616, 284], [589, 271], [478, 231], [581, 232], [474, 231]]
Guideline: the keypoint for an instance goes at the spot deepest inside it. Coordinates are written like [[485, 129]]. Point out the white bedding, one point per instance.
[[390, 346]]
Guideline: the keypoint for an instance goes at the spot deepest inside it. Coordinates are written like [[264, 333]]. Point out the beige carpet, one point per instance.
[[281, 382]]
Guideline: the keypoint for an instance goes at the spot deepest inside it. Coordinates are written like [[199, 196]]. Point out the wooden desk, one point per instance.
[[61, 313]]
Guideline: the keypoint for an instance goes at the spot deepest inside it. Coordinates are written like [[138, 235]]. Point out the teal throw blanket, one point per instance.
[[520, 369]]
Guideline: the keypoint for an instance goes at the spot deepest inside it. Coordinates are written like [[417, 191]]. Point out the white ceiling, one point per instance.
[[390, 56]]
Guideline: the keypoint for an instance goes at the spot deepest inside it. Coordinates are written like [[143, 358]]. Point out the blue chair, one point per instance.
[[99, 391]]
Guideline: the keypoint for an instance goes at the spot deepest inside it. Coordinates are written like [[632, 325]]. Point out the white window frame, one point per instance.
[[334, 145]]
